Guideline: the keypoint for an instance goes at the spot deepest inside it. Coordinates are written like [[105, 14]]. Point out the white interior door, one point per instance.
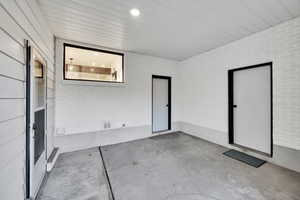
[[252, 112], [38, 159], [160, 104]]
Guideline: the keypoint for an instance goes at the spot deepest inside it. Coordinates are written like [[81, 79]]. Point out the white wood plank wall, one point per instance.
[[20, 20]]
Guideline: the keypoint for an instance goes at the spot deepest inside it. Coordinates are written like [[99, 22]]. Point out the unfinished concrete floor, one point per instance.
[[168, 167], [77, 176]]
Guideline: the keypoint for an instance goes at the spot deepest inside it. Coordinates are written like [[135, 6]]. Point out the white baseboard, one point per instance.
[[52, 159], [282, 156], [74, 142]]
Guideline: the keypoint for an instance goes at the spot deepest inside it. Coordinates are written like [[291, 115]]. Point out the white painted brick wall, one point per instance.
[[207, 105]]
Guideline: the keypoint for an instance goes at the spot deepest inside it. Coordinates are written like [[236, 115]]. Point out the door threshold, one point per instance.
[[245, 149], [153, 132]]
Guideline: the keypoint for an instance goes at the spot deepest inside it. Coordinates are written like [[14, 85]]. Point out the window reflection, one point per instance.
[[92, 65]]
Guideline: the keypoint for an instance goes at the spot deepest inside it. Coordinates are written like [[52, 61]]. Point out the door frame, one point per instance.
[[231, 106], [30, 49], [169, 101], [28, 118]]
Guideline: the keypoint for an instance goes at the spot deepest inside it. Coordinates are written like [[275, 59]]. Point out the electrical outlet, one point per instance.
[[107, 124]]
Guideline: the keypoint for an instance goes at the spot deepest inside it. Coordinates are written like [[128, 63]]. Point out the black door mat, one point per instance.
[[240, 156]]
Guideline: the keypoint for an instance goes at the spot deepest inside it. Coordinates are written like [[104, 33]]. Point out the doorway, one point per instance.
[[250, 108], [36, 96], [161, 103]]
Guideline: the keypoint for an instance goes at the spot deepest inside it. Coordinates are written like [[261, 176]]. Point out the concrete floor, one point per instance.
[[76, 176], [168, 167]]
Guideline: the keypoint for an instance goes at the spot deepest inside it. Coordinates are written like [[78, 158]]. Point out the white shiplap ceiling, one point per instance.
[[175, 29]]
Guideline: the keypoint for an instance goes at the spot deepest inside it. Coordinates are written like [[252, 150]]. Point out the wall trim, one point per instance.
[[80, 141], [282, 156]]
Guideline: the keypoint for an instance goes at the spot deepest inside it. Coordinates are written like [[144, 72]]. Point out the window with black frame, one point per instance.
[[88, 64]]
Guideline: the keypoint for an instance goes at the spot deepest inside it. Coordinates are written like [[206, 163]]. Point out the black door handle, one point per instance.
[[34, 126], [234, 106], [167, 105]]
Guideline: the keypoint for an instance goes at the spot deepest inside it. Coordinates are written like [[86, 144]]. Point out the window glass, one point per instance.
[[92, 64]]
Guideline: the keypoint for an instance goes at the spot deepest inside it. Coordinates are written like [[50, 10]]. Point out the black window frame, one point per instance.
[[91, 49]]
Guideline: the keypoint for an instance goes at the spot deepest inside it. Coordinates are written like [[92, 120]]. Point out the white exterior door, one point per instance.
[[38, 160], [252, 108], [160, 104]]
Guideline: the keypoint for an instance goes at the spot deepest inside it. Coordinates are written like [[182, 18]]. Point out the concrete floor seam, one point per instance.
[[106, 174]]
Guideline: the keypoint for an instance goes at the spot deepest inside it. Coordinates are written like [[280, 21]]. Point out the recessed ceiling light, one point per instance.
[[135, 12], [96, 54]]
